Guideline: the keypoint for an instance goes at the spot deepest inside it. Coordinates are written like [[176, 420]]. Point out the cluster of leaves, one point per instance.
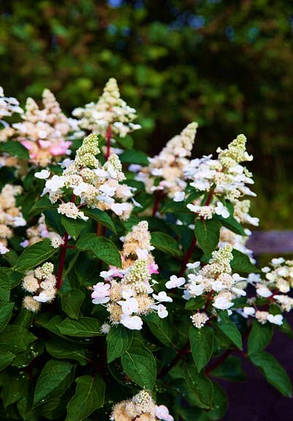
[[57, 364], [226, 63]]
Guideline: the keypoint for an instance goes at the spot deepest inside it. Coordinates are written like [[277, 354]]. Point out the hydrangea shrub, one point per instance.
[[126, 285]]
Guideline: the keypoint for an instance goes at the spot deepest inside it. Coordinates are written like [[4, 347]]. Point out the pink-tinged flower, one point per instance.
[[31, 147], [175, 282], [162, 311], [60, 149], [131, 322], [153, 268], [45, 144], [162, 412], [129, 306], [101, 293]]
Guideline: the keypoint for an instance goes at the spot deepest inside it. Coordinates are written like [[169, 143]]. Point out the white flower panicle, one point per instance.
[[165, 171], [215, 279], [92, 184], [110, 110], [8, 105], [43, 131], [40, 282], [40, 231], [128, 292], [10, 214], [141, 408]]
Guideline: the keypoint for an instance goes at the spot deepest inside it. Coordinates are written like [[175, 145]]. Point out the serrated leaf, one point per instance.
[[199, 388], [61, 349], [132, 156], [207, 232], [102, 217], [6, 358], [34, 255], [242, 264], [161, 329], [273, 372], [52, 375], [71, 302], [73, 226], [89, 396], [140, 365], [82, 328], [231, 331], [165, 243], [103, 248], [5, 314], [14, 148], [259, 337], [119, 339], [202, 345]]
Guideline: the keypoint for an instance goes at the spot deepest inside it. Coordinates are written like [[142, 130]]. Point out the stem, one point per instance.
[[181, 353], [59, 280], [219, 361], [156, 204], [187, 256], [108, 138]]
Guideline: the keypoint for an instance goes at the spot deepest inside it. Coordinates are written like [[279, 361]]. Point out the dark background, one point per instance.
[[226, 64]]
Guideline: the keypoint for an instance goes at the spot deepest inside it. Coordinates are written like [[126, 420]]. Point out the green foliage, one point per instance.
[[207, 233], [34, 255], [259, 337], [119, 339], [202, 345], [103, 248]]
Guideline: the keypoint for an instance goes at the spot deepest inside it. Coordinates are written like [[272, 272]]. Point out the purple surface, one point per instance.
[[255, 399]]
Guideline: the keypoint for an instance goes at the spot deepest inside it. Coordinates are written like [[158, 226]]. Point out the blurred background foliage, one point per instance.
[[226, 64]]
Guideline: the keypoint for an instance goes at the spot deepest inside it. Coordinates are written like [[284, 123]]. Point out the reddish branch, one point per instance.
[[185, 350], [108, 138], [187, 256], [64, 246], [218, 361]]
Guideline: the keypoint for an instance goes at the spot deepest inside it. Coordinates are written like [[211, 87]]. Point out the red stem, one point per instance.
[[219, 361], [108, 138], [181, 353], [64, 246], [156, 205], [187, 256]]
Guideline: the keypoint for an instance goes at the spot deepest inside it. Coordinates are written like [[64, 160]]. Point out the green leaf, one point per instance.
[[241, 263], [73, 226], [119, 339], [231, 331], [207, 232], [259, 338], [165, 243], [89, 396], [34, 255], [195, 303], [82, 328], [140, 365], [52, 375], [41, 205], [6, 358], [61, 349], [273, 372], [161, 329], [103, 248], [231, 224], [16, 338], [14, 148], [13, 388], [199, 388], [71, 302], [102, 217], [202, 345], [132, 156], [5, 314]]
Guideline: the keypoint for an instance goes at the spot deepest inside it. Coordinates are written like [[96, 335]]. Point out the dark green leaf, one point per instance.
[[5, 314], [231, 224], [231, 331], [89, 396], [73, 226], [161, 329], [14, 148], [273, 372], [103, 248], [102, 217], [230, 369], [259, 338], [199, 388], [13, 388], [165, 243], [207, 232], [119, 339], [140, 365], [52, 375], [82, 328], [71, 302], [241, 263], [61, 349], [132, 156], [6, 358], [16, 338], [202, 345], [41, 205], [34, 255]]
